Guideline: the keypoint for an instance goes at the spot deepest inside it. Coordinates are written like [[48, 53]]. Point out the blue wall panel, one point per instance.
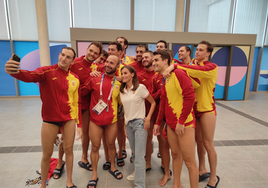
[[256, 51], [7, 83], [263, 80]]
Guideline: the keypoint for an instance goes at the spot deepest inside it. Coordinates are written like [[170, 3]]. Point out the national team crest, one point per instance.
[[116, 87], [73, 83]]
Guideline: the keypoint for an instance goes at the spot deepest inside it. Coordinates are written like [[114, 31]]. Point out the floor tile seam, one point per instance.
[[25, 178], [252, 118]]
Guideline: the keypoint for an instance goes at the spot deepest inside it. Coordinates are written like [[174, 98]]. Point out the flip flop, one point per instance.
[[204, 176], [115, 174], [209, 186], [120, 162], [106, 166], [38, 172], [163, 170], [131, 159], [92, 183], [74, 186], [58, 172], [124, 154], [85, 166], [148, 169], [158, 154]]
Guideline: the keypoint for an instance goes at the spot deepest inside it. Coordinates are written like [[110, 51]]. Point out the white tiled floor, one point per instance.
[[238, 166]]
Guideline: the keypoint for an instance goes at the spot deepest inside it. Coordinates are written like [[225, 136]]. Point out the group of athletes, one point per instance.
[[112, 96]]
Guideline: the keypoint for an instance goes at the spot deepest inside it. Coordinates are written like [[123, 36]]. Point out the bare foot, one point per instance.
[[164, 180]]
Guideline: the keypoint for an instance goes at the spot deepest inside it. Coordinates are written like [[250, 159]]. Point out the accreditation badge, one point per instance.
[[99, 107]]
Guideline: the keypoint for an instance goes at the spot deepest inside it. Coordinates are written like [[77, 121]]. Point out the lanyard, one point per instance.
[[111, 91], [163, 82]]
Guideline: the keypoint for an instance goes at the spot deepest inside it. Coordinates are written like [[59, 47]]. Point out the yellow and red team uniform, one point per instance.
[[126, 60], [94, 66], [157, 81], [137, 66], [175, 61], [145, 78], [82, 68], [106, 117], [59, 92], [177, 100], [207, 73]]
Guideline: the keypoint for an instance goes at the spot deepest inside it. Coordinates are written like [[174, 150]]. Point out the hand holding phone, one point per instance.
[[12, 66]]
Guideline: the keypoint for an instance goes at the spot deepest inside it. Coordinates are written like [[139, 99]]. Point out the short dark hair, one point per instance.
[[118, 45], [209, 46], [135, 81], [163, 54], [150, 52], [163, 41], [69, 48], [171, 54], [125, 40], [142, 46], [97, 44], [187, 48], [104, 53]]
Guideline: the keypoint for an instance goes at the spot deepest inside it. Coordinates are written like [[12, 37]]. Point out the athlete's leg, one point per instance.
[[61, 153], [208, 124], [110, 134], [68, 136], [149, 144], [120, 136], [48, 135], [176, 156], [85, 136], [187, 147], [165, 156], [95, 134], [201, 151], [105, 148]]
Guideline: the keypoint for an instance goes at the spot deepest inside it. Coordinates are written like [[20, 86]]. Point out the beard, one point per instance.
[[109, 71]]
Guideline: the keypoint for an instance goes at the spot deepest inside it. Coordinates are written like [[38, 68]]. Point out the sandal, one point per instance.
[[92, 183], [204, 176], [124, 154], [120, 162], [87, 166], [115, 174], [209, 186], [74, 186], [158, 154], [106, 166], [58, 172], [163, 170]]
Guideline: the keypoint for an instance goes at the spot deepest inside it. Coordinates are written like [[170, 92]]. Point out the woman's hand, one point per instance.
[[146, 124]]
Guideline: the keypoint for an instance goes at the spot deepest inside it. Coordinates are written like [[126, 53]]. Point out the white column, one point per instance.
[[41, 16]]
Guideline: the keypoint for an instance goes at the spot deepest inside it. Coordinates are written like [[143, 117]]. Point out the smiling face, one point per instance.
[[147, 60], [183, 53], [111, 64], [160, 46], [66, 58], [112, 50], [93, 52], [101, 59], [127, 76], [139, 52], [158, 63]]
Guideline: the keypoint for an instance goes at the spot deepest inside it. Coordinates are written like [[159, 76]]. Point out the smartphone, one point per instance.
[[16, 58]]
